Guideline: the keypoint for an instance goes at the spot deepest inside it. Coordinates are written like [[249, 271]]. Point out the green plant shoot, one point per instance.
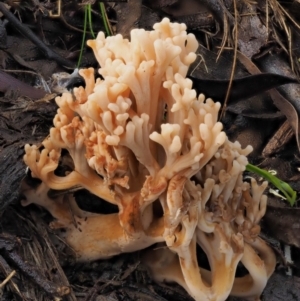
[[89, 8], [284, 187], [106, 23], [83, 36], [88, 20]]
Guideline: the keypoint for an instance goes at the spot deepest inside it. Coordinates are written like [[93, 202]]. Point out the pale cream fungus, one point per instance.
[[141, 139]]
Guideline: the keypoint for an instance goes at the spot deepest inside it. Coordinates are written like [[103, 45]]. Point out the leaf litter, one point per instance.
[[240, 40]]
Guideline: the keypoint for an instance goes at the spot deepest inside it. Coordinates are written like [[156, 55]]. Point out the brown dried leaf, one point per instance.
[[128, 14], [283, 224], [285, 105], [252, 34]]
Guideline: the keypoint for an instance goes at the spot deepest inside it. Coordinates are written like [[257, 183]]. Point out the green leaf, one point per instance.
[[284, 187]]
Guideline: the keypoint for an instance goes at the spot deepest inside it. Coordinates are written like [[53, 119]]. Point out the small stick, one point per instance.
[[27, 32], [31, 272], [8, 244]]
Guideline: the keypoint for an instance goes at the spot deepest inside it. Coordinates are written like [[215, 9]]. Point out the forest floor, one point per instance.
[[40, 46]]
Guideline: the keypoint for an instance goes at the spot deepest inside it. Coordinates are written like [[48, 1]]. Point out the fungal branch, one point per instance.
[[141, 139]]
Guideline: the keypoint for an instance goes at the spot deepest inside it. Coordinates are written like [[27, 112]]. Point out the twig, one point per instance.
[[8, 245], [27, 32]]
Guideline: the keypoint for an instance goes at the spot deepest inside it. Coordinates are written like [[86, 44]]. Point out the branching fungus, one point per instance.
[[142, 140]]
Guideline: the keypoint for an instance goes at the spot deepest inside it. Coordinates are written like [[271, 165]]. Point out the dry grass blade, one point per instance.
[[280, 15], [225, 36], [8, 271], [235, 30], [6, 280]]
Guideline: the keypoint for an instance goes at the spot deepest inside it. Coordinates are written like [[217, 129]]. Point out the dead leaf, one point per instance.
[[279, 140], [252, 34], [240, 88], [128, 14], [285, 105]]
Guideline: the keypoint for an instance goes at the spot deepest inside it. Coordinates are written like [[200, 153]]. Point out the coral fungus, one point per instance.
[[141, 139]]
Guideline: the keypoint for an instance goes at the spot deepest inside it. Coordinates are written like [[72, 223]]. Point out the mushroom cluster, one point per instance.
[[141, 139]]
